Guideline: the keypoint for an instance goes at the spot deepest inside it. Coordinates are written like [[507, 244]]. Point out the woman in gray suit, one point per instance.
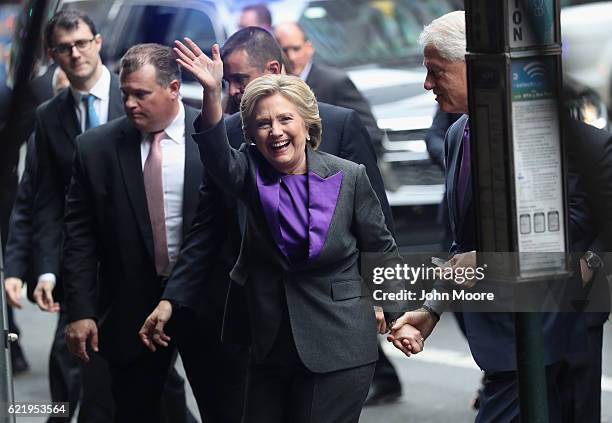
[[310, 215]]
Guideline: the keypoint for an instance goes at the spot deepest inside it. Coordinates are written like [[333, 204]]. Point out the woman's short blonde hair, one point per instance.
[[293, 89]]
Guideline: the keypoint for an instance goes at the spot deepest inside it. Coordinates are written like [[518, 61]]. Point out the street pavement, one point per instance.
[[438, 384]]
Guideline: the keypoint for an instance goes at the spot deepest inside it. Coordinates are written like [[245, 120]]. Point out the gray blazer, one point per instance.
[[330, 315]]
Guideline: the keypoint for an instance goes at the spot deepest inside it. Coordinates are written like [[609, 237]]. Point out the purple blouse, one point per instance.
[[293, 216], [298, 210]]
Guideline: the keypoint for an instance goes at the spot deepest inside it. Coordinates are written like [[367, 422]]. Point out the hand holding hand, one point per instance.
[[43, 295], [152, 331], [208, 71], [422, 321], [13, 287], [407, 339], [77, 333]]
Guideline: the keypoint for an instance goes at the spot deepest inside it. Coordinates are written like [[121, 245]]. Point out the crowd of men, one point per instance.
[[73, 210]]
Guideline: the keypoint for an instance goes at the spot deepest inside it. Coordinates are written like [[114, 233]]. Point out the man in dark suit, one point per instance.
[[490, 335], [73, 43], [330, 85], [590, 151], [132, 198]]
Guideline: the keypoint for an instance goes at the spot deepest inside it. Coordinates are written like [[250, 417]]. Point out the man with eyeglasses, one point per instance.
[[92, 98]]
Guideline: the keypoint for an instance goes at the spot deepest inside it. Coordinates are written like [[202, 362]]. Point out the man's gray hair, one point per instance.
[[447, 35]]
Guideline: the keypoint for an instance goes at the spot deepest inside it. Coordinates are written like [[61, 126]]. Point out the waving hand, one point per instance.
[[208, 72]]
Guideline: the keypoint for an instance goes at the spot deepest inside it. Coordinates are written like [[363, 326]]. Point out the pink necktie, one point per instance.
[[154, 188]]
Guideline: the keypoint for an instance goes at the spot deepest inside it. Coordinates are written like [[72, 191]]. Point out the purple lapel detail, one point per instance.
[[322, 200], [268, 187]]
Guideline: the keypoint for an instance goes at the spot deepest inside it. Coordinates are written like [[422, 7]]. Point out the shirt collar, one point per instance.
[[176, 130], [306, 71], [100, 90]]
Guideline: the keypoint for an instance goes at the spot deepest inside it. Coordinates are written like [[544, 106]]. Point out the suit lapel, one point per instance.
[[115, 103], [128, 150], [323, 193], [467, 201], [193, 171], [68, 119], [458, 215]]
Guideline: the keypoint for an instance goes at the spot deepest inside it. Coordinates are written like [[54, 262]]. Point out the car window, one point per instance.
[[162, 25], [349, 33], [96, 10]]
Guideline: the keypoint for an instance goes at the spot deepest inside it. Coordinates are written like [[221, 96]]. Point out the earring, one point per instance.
[[307, 137]]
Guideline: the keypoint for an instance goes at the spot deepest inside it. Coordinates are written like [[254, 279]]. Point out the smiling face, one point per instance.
[[448, 80], [280, 134], [150, 106], [80, 65]]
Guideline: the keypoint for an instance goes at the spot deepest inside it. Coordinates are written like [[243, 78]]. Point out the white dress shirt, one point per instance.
[[306, 71], [173, 178], [100, 91]]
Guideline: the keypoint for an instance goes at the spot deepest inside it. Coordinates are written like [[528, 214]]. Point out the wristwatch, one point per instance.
[[593, 261]]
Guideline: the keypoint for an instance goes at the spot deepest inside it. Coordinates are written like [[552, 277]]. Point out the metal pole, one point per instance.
[[530, 363], [505, 40], [6, 371]]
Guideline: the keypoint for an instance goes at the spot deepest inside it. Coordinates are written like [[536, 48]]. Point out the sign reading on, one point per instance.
[[531, 23]]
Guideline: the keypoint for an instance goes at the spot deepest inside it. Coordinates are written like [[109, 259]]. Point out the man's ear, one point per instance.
[[311, 50], [273, 67], [175, 87]]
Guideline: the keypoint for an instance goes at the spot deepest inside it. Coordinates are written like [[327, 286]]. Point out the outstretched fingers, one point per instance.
[[185, 52], [194, 47]]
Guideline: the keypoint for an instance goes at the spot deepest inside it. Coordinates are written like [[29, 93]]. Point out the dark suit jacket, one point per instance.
[[211, 247], [491, 335], [57, 127], [324, 294], [343, 135], [590, 149], [333, 86], [35, 93], [19, 253], [109, 240]]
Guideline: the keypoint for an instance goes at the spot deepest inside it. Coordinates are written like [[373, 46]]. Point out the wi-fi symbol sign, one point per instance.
[[535, 70]]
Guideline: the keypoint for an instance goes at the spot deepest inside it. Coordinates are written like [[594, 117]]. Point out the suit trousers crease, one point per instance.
[[216, 370], [83, 386], [137, 386], [499, 400], [282, 389]]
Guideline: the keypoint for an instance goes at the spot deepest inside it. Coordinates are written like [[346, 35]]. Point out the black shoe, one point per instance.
[[383, 391]]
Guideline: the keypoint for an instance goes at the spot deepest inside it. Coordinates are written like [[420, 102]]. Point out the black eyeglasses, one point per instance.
[[81, 45]]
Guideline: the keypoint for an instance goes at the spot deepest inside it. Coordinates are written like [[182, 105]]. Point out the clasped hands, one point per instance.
[[409, 332]]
